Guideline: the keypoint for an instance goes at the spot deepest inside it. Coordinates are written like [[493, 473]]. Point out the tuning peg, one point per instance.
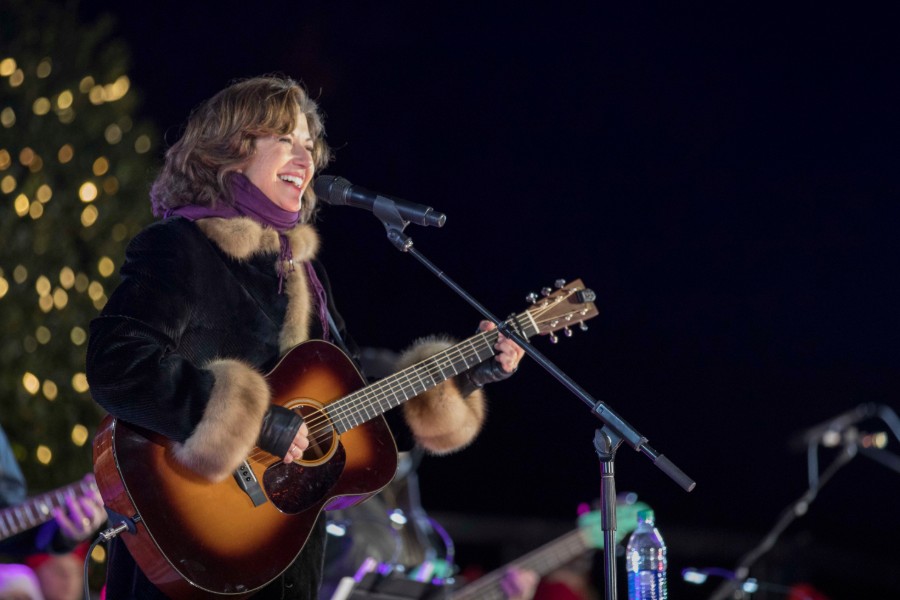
[[560, 283], [568, 332], [553, 338], [545, 291], [532, 298], [583, 326]]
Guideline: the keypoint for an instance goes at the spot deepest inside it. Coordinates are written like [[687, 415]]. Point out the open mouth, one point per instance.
[[293, 179]]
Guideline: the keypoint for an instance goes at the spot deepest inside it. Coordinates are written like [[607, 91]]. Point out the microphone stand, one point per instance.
[[606, 443]]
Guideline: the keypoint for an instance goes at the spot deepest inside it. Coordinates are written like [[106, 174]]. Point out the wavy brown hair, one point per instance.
[[219, 139]]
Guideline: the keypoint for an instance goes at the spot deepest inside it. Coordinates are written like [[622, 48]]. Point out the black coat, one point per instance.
[[186, 302]]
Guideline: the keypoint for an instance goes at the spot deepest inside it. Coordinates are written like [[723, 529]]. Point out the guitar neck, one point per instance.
[[39, 509], [378, 398], [543, 560]]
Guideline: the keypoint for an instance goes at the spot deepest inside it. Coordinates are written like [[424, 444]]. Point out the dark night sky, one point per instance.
[[723, 178]]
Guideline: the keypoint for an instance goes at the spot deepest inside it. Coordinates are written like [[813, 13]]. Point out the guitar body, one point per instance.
[[197, 539]]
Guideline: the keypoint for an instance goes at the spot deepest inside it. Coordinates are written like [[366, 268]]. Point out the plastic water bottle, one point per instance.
[[646, 560]]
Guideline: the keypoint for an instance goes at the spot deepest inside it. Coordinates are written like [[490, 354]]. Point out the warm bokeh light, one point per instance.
[[36, 210], [79, 434], [4, 287], [17, 78], [31, 383], [7, 184], [113, 134], [45, 303], [44, 67], [81, 282], [26, 155], [7, 67], [5, 159], [106, 267], [42, 286], [44, 455], [67, 277], [78, 336], [21, 205], [7, 117], [50, 390], [65, 154], [42, 335], [88, 191], [142, 144], [44, 193], [79, 382], [98, 554], [60, 298], [95, 290], [89, 215], [64, 100], [85, 85], [41, 106], [20, 274], [101, 166]]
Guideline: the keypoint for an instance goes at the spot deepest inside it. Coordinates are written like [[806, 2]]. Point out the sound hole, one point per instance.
[[296, 487]]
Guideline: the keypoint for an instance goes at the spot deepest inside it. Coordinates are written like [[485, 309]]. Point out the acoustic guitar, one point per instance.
[[39, 509], [197, 539]]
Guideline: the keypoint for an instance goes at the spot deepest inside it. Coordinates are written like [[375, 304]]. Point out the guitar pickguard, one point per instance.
[[296, 487]]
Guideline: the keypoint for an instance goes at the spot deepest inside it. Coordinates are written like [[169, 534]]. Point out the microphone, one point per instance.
[[829, 433], [338, 191]]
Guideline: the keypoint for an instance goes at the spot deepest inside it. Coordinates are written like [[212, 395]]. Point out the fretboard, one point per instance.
[[39, 509], [543, 560], [390, 392]]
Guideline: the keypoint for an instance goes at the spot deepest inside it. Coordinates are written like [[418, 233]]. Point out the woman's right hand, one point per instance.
[[298, 445]]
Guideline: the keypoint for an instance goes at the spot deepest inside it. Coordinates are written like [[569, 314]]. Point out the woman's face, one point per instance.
[[282, 165]]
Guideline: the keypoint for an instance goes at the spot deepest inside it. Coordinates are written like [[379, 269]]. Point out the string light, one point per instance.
[[79, 382], [8, 117], [89, 215], [50, 390], [79, 434], [78, 336], [31, 383], [7, 67], [65, 154], [88, 191], [8, 184], [106, 267], [43, 454], [67, 277]]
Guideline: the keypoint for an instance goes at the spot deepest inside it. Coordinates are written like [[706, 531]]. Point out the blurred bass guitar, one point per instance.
[[39, 509], [555, 554]]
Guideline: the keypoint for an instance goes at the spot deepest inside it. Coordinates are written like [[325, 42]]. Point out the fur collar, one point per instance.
[[241, 238]]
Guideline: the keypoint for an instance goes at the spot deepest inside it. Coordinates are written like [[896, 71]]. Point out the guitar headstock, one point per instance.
[[570, 305]]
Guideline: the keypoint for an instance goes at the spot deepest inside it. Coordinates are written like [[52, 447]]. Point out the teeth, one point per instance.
[[297, 181]]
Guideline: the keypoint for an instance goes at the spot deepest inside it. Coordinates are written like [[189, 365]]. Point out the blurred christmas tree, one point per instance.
[[74, 174]]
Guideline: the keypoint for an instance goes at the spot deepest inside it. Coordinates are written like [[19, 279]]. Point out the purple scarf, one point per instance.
[[251, 202]]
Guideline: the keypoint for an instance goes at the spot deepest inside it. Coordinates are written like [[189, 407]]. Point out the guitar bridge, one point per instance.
[[247, 481]]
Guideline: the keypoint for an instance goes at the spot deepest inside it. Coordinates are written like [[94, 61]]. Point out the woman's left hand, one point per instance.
[[83, 516], [509, 353]]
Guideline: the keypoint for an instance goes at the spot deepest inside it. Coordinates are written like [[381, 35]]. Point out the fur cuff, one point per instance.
[[231, 421], [441, 420]]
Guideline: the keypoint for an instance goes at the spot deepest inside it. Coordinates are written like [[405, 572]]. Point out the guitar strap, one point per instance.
[[332, 326]]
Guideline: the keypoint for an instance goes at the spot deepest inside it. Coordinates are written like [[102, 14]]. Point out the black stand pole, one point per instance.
[[606, 443], [387, 212]]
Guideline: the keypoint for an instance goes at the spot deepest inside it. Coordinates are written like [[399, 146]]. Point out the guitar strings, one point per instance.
[[387, 388], [374, 400]]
